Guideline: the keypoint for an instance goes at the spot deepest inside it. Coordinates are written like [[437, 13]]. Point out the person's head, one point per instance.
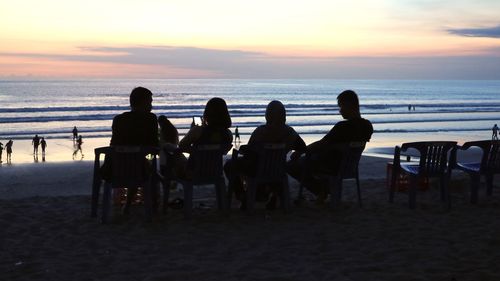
[[141, 100], [275, 114], [348, 103], [167, 130], [216, 114]]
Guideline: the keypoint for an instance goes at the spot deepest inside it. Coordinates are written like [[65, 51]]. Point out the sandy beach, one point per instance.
[[48, 235]]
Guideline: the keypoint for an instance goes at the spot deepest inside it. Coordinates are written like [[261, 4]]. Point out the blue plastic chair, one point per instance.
[[434, 162], [487, 167]]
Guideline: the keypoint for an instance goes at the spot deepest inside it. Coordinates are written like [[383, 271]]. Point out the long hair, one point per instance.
[[216, 114], [275, 114]]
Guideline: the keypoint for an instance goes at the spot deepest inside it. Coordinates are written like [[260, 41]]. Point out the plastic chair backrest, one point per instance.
[[205, 161], [271, 163], [433, 156], [129, 165], [490, 160], [351, 154]]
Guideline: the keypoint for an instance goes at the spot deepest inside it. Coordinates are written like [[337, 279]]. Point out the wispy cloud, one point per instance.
[[491, 32], [245, 64]]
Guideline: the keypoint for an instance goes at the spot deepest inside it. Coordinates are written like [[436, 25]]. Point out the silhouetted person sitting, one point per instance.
[[1, 151], [274, 131], [136, 127], [322, 156], [168, 132], [35, 142], [213, 130], [169, 140]]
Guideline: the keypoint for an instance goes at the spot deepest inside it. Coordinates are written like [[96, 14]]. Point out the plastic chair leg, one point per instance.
[[188, 200], [359, 192], [106, 202], [412, 192], [251, 189], [474, 186], [285, 198], [220, 190], [96, 186], [392, 189], [489, 185], [148, 200], [166, 194]]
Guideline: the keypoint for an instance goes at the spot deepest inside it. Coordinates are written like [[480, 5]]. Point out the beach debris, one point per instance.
[[19, 263]]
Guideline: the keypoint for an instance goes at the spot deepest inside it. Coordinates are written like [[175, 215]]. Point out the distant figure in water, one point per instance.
[[236, 135], [409, 107], [35, 142], [75, 133], [413, 108], [1, 151], [8, 147], [43, 143], [494, 135], [78, 147]]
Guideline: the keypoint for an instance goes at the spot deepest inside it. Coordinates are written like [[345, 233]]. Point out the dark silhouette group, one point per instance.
[[140, 127], [36, 142]]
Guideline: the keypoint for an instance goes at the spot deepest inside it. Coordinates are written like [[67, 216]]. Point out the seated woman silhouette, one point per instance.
[[274, 131], [213, 130]]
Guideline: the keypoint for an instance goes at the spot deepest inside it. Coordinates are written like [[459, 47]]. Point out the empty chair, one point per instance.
[[204, 167], [270, 169], [488, 166], [434, 162], [350, 154], [128, 168]]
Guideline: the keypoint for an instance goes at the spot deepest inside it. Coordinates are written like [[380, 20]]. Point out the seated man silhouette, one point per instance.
[[136, 127], [274, 131], [322, 156]]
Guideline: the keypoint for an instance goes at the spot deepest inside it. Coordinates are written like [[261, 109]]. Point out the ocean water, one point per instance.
[[461, 110]]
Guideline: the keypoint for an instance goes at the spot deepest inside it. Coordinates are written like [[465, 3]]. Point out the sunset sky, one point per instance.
[[390, 39]]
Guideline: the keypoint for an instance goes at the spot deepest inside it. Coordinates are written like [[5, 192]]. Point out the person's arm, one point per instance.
[[154, 131], [191, 136]]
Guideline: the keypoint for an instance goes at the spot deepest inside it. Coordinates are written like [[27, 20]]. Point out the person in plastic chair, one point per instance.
[[274, 131], [136, 127], [353, 128], [214, 129]]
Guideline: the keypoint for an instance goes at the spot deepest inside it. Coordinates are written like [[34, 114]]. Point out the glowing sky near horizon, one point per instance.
[[249, 39]]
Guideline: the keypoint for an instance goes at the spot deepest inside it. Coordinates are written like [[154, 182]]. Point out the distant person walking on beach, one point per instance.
[[8, 147], [1, 151], [236, 135], [75, 133], [35, 142], [78, 147], [43, 143], [494, 135]]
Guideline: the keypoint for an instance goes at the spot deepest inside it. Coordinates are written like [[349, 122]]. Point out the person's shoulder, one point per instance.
[[121, 116]]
